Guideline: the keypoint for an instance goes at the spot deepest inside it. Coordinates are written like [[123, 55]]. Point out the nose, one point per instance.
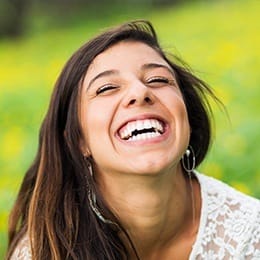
[[138, 95]]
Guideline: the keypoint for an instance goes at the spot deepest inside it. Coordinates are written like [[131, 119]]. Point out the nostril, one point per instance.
[[132, 101], [140, 101], [148, 100]]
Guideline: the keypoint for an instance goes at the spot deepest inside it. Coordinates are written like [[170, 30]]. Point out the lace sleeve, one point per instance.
[[23, 250]]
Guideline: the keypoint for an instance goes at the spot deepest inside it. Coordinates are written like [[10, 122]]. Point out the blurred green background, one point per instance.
[[219, 39]]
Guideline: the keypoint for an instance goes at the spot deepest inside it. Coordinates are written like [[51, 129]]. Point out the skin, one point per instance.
[[142, 181]]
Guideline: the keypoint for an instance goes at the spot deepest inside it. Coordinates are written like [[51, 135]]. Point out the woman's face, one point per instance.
[[132, 112]]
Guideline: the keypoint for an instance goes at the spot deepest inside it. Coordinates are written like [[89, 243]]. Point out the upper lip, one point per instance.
[[142, 117]]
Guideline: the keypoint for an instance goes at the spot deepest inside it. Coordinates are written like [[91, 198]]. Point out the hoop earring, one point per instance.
[[185, 160], [93, 202]]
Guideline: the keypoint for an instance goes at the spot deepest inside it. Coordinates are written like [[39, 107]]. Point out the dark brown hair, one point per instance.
[[52, 206]]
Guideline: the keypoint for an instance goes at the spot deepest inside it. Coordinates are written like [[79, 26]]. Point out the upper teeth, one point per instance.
[[127, 131]]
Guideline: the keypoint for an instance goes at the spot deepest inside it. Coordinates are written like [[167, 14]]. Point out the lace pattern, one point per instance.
[[229, 225], [22, 251]]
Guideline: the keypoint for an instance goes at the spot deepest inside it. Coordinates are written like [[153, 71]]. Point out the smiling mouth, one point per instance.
[[142, 130]]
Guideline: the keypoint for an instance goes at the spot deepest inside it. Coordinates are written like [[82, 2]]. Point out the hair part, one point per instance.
[[52, 205]]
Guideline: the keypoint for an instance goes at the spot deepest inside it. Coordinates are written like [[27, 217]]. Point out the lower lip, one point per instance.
[[147, 141]]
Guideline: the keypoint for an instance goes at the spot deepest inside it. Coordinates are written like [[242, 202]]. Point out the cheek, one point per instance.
[[178, 111], [174, 101], [96, 120], [182, 115]]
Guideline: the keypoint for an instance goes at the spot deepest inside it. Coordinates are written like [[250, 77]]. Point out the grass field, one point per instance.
[[219, 39]]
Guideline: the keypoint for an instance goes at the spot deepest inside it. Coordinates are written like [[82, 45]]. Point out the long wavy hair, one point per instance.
[[52, 206]]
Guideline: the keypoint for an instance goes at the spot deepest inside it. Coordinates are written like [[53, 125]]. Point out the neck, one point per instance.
[[154, 210]]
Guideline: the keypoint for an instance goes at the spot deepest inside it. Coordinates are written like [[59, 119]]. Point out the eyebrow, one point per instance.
[[156, 65], [102, 74], [145, 66]]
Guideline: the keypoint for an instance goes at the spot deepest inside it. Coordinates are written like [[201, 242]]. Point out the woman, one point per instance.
[[114, 176]]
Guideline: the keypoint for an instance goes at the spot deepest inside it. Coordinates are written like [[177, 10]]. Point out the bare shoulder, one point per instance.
[[22, 250]]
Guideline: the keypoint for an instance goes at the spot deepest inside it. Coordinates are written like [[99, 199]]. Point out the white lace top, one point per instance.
[[229, 225]]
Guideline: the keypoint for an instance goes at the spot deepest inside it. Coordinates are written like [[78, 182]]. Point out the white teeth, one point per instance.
[[133, 127], [139, 125], [158, 126], [127, 131], [143, 136], [147, 124]]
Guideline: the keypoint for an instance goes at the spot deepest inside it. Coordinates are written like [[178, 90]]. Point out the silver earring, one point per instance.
[[93, 202], [187, 162], [189, 167]]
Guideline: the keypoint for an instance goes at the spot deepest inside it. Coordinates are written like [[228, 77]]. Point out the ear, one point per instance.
[[84, 148], [86, 153]]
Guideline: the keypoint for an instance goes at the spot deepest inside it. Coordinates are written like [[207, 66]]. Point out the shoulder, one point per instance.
[[22, 250], [231, 218], [216, 187], [220, 194]]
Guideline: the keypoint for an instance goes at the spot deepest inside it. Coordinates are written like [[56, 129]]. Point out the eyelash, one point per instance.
[[105, 88], [160, 80], [149, 81]]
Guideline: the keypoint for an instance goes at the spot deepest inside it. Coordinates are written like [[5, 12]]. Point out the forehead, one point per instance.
[[125, 55]]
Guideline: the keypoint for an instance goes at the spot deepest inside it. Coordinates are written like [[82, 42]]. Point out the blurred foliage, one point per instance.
[[12, 17], [219, 39], [13, 13]]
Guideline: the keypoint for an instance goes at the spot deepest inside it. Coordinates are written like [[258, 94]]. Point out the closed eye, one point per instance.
[[160, 81], [105, 89]]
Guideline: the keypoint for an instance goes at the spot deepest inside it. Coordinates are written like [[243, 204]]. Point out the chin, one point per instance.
[[151, 167]]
